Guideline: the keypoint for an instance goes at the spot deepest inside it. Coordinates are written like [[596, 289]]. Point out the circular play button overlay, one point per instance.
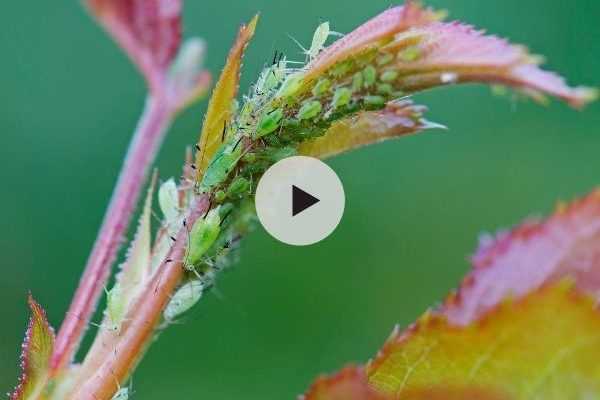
[[300, 200]]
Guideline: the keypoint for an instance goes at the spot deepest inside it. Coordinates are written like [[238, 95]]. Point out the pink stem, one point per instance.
[[141, 154], [99, 376]]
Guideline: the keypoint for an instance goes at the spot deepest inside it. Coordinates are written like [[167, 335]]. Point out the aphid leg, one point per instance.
[[224, 131], [207, 208]]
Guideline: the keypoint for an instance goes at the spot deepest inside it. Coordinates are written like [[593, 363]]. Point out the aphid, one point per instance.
[[249, 157], [341, 68], [369, 75], [341, 97], [168, 200], [389, 76], [184, 299], [374, 100], [115, 308], [384, 88], [281, 153], [202, 236], [223, 162], [269, 123], [272, 76], [385, 59], [357, 82], [410, 54], [238, 186], [318, 41], [321, 87], [309, 109], [291, 85], [220, 196]]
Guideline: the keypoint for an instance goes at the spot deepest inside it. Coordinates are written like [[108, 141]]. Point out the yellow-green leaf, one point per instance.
[[397, 119], [544, 346], [35, 357], [220, 105]]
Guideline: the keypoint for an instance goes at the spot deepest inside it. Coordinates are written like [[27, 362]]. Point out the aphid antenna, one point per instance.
[[224, 131], [304, 50], [158, 219], [208, 208], [237, 143]]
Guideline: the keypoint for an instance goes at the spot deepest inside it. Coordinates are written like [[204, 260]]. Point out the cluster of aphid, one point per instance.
[[282, 109]]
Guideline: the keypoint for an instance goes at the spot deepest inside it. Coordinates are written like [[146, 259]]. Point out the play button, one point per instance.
[[300, 200]]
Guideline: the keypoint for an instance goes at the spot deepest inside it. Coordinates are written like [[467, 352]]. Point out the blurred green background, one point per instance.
[[415, 206]]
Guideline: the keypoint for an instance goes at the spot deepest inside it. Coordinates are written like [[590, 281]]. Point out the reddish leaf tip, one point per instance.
[[35, 352]]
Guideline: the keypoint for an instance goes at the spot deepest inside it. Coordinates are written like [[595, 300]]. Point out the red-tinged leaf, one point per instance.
[[445, 53], [395, 120], [448, 392], [544, 346], [35, 356], [149, 31], [349, 384], [373, 33], [219, 109], [519, 261]]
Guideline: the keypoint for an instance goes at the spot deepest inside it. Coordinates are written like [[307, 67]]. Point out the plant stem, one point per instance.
[[145, 144], [118, 354]]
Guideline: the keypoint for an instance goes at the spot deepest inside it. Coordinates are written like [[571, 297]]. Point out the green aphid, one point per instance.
[[384, 89], [385, 59], [291, 123], [184, 299], [281, 153], [321, 87], [220, 196], [369, 76], [223, 162], [225, 210], [318, 41], [115, 308], [410, 54], [374, 100], [238, 186], [309, 109], [341, 69], [291, 85], [269, 123], [271, 77], [341, 97], [249, 157], [202, 236], [357, 82], [388, 76]]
